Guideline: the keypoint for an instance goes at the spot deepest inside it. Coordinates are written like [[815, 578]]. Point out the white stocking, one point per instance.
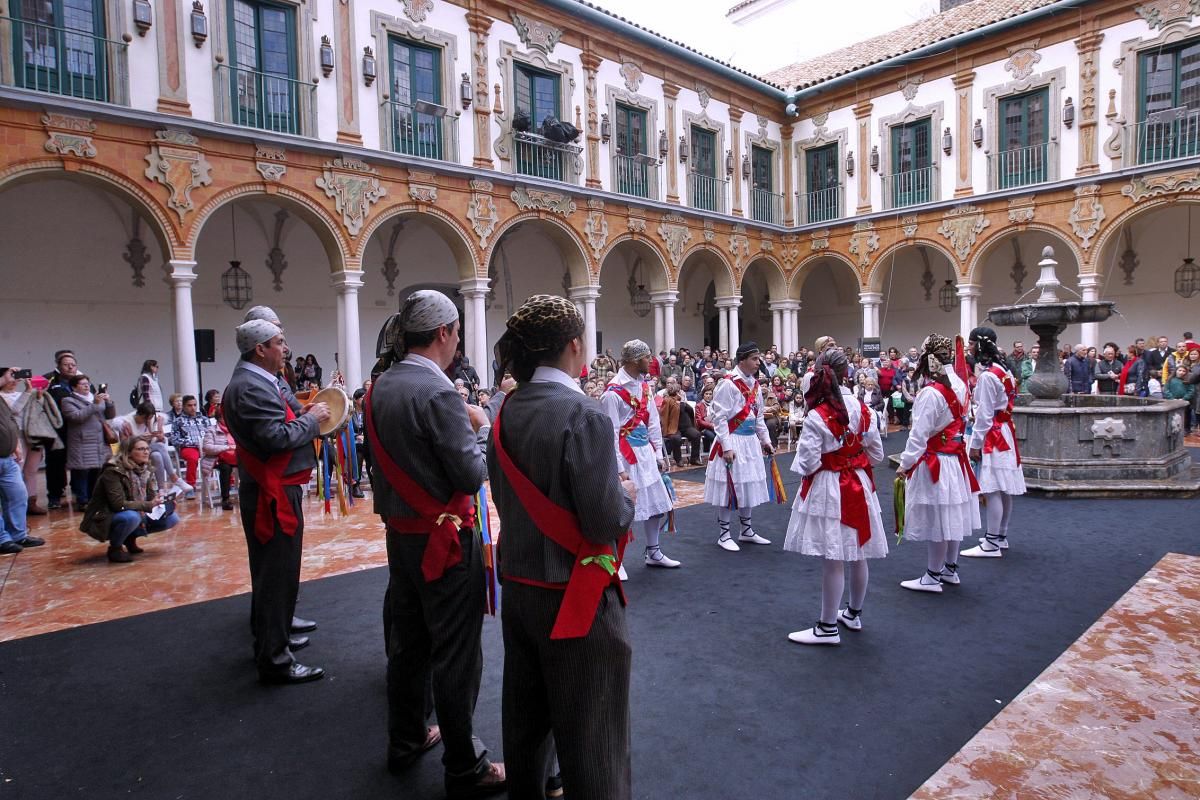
[[937, 557], [995, 513], [858, 583], [833, 583], [724, 518], [744, 518], [952, 552], [651, 527], [1008, 504]]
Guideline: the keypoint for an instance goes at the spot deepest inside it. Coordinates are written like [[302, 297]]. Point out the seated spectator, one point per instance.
[[87, 449], [126, 491], [187, 435], [778, 387], [708, 431], [220, 453], [865, 370], [872, 398], [688, 387], [668, 417], [687, 430], [175, 402], [772, 417], [212, 402], [145, 421]]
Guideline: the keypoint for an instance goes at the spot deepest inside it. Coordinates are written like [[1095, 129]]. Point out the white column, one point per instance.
[[722, 304], [474, 338], [1089, 290], [180, 277], [669, 318], [659, 325], [791, 322], [586, 296], [664, 319], [968, 308], [870, 308], [735, 327], [777, 327], [347, 283]]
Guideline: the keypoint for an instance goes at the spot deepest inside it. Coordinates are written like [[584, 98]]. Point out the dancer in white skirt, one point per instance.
[[941, 505], [836, 513], [742, 441], [994, 443], [629, 402]]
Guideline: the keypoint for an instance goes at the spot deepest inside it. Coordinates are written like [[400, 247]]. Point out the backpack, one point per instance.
[[135, 397]]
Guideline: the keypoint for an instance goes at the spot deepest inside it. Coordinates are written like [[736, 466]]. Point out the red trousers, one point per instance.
[[191, 457]]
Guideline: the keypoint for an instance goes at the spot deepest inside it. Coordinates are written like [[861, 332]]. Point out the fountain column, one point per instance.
[[1089, 290], [968, 307], [870, 307]]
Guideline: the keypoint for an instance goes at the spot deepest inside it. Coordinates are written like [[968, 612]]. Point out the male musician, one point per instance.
[[628, 401], [742, 442], [428, 464], [563, 512], [275, 460], [993, 443]]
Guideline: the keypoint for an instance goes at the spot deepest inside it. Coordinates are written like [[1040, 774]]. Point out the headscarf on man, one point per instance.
[[634, 350], [253, 333], [424, 310], [937, 352], [535, 333], [826, 386], [986, 349]]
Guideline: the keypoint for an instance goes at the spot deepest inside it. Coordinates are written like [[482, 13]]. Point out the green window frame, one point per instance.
[[823, 201], [762, 188], [707, 192], [59, 46], [538, 94], [1169, 81], [912, 159], [415, 75], [263, 68], [1024, 139], [632, 176]]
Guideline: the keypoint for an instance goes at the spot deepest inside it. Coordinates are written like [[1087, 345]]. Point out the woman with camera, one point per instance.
[[38, 418], [88, 435], [126, 493]]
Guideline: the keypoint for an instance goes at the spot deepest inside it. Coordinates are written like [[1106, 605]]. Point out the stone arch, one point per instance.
[[1095, 262], [726, 279], [777, 281], [566, 239], [874, 278], [446, 227], [165, 233], [805, 267], [988, 245], [645, 244], [326, 228]]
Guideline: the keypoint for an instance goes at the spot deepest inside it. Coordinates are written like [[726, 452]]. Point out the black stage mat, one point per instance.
[[165, 705]]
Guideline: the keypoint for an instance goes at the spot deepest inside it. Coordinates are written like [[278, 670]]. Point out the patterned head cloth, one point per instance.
[[823, 342], [936, 352], [829, 368], [255, 332], [544, 322], [986, 350], [746, 350], [634, 350], [427, 310], [264, 313]]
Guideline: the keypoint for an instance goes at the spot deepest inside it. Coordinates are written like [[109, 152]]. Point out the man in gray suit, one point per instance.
[[563, 512], [275, 460], [427, 465]]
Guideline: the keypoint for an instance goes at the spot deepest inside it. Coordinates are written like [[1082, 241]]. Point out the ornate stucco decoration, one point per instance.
[[908, 224], [1022, 58], [819, 120], [66, 134], [596, 231], [820, 240], [528, 198], [481, 211], [633, 76], [789, 250], [180, 169], [768, 242], [908, 87], [353, 186], [1143, 186], [863, 242], [762, 125], [637, 219], [422, 186], [276, 260], [270, 161], [417, 10], [1021, 210], [739, 245], [710, 233], [962, 226], [1087, 214], [136, 254], [675, 234], [536, 34], [1160, 13], [704, 94]]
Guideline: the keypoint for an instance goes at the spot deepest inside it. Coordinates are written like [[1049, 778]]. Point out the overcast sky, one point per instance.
[[795, 31]]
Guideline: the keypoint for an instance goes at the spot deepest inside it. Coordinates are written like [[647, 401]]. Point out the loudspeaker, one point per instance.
[[205, 346]]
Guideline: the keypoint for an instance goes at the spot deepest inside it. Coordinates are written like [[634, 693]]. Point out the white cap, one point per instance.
[[255, 332], [264, 313]]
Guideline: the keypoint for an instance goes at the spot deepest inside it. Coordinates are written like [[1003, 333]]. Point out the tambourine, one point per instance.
[[339, 408]]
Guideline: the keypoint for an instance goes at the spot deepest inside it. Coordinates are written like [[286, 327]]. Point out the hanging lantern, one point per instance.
[[948, 297], [640, 301], [947, 142], [977, 133], [1069, 113], [1187, 278], [237, 287]]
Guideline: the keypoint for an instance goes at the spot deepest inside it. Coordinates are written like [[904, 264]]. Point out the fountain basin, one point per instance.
[[1051, 313]]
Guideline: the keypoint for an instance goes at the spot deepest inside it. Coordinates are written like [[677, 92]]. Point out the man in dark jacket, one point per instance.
[[1108, 371], [56, 460], [1155, 357], [1015, 357], [1078, 372]]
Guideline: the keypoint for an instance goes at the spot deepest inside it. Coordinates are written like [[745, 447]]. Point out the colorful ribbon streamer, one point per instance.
[[775, 488], [898, 506], [483, 528], [731, 499], [669, 523]]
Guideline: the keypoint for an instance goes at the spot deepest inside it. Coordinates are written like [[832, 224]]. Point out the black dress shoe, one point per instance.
[[296, 673], [10, 548], [303, 625], [32, 541], [297, 643]]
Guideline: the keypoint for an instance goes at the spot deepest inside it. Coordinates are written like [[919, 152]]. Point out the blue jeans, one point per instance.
[[134, 523], [14, 501]]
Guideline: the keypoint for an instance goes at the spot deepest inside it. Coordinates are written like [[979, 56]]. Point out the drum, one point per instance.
[[339, 408]]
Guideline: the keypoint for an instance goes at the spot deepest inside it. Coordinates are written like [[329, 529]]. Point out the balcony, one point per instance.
[[635, 175], [64, 61], [1163, 135], [1022, 166], [265, 101], [822, 205], [413, 131], [539, 157], [706, 192], [901, 189], [766, 206]]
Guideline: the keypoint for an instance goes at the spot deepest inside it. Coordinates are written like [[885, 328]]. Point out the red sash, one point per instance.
[[749, 393], [441, 521], [641, 416], [994, 440], [270, 477], [845, 460], [948, 442], [589, 578]]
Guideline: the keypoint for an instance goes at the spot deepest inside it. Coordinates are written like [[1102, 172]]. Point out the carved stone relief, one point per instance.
[[908, 87], [270, 160], [675, 234], [354, 187], [820, 240], [633, 76], [528, 198], [1143, 186], [1021, 210], [536, 34], [909, 225], [863, 242], [596, 231], [180, 169], [962, 226], [710, 232], [703, 93], [481, 211], [69, 135], [789, 250], [1087, 214], [1022, 58], [1159, 13], [417, 10], [739, 245]]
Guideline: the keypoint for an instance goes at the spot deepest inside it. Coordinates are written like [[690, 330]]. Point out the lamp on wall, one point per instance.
[[746, 167], [728, 163], [683, 149], [1187, 276], [977, 133], [850, 164], [368, 66], [464, 91], [874, 158], [326, 56], [1069, 113], [947, 142], [143, 16], [662, 144], [605, 128], [199, 23]]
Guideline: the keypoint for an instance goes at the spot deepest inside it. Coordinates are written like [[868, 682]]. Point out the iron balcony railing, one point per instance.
[[413, 132], [910, 188], [706, 192], [1021, 166], [269, 102], [65, 61], [766, 206], [1164, 135], [635, 175], [541, 158], [821, 206]]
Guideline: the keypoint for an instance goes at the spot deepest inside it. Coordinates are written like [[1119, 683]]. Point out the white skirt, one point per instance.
[[816, 529], [749, 475], [652, 497], [946, 511], [999, 470]]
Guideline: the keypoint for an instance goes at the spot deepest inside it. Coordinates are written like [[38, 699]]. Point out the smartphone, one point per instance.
[[23, 374], [103, 388]]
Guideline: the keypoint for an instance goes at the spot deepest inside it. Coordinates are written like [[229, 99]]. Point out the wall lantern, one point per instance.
[[850, 164], [199, 23], [326, 56], [237, 288], [464, 91], [746, 167], [683, 149], [948, 297], [605, 128], [977, 133], [143, 16], [368, 66], [1069, 113], [947, 142], [874, 158], [728, 162], [662, 144]]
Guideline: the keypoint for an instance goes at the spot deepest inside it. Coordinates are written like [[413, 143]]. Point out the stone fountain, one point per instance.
[[1085, 444]]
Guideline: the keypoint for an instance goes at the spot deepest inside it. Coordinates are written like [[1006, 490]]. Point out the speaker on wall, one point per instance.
[[205, 346]]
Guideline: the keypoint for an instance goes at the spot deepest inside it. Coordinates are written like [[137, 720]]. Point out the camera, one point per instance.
[[23, 374], [103, 388]]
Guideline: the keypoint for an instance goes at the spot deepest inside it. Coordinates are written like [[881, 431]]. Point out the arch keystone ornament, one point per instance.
[[176, 162], [863, 242], [820, 240], [529, 199], [789, 250], [1021, 210], [596, 230], [270, 161], [481, 211], [1022, 58], [676, 234], [536, 34], [962, 227], [1087, 214], [353, 186], [69, 135]]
